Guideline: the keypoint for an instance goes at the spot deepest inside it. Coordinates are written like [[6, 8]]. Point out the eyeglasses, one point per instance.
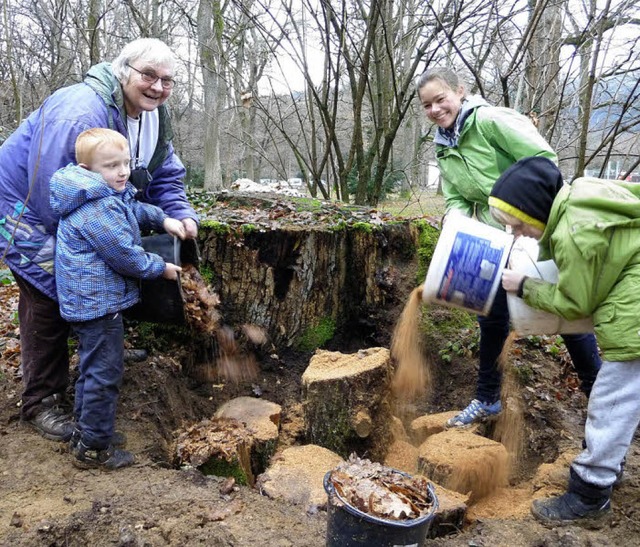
[[152, 78]]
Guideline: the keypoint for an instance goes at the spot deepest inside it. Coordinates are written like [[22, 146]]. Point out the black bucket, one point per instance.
[[161, 300], [350, 527]]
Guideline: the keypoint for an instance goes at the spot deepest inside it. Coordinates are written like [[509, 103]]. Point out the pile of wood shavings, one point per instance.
[[381, 491], [218, 437]]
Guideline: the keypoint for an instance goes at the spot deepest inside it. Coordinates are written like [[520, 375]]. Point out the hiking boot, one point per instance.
[[53, 422], [135, 355], [476, 412], [109, 458], [584, 503], [571, 508]]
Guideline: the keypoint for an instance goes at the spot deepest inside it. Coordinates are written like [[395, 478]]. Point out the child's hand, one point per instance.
[[174, 227], [171, 271], [511, 280]]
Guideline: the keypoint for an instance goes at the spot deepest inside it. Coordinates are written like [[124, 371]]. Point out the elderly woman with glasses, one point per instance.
[[128, 96]]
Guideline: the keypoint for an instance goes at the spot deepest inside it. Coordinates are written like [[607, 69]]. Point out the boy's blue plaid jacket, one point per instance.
[[99, 256]]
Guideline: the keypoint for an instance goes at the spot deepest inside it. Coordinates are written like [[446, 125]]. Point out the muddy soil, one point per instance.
[[46, 501]]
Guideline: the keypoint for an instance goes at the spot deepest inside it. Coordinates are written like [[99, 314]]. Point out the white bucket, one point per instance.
[[466, 268], [527, 320]]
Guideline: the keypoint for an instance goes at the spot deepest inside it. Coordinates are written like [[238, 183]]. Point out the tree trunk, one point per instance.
[[305, 284], [209, 25], [543, 69]]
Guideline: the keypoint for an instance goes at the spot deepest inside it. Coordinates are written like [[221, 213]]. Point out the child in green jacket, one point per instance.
[[590, 229], [475, 144]]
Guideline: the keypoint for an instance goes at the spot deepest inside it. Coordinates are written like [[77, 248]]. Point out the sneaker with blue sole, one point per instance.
[[476, 412]]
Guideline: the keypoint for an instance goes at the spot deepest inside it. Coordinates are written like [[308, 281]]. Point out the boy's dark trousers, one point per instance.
[[43, 347], [101, 368], [494, 330]]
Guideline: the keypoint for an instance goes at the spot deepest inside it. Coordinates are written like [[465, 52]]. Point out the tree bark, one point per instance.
[[293, 280]]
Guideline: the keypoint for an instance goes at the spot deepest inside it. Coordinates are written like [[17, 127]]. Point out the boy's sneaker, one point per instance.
[[571, 508], [108, 458], [53, 422], [119, 439], [477, 411]]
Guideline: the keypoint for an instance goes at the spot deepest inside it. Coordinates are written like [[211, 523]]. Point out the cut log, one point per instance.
[[451, 513], [346, 402], [465, 462], [296, 475], [262, 419], [429, 424], [218, 447]]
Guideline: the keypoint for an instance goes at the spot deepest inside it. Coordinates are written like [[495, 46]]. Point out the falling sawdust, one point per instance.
[[412, 377], [478, 477], [510, 424]]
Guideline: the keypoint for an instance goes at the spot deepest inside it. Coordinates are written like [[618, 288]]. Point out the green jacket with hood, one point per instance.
[[592, 235], [484, 142]]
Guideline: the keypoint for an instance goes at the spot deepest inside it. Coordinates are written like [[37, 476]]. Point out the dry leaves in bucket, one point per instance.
[[381, 491]]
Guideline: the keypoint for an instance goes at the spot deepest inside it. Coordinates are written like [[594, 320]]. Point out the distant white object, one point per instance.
[[277, 187], [247, 185], [527, 320], [466, 267]]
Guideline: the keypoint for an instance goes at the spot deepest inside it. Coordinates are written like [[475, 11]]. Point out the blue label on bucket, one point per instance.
[[471, 270]]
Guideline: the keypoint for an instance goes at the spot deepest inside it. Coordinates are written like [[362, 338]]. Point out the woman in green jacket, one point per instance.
[[590, 229], [475, 144]]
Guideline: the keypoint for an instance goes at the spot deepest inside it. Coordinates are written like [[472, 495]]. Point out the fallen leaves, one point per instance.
[[381, 491]]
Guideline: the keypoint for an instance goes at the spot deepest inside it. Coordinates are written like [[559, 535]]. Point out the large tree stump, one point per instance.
[[312, 272], [345, 399]]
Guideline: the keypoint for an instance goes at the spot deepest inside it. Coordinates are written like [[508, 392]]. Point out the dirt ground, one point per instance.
[[46, 501]]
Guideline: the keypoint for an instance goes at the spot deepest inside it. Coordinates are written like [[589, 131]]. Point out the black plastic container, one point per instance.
[[350, 527], [161, 300]]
